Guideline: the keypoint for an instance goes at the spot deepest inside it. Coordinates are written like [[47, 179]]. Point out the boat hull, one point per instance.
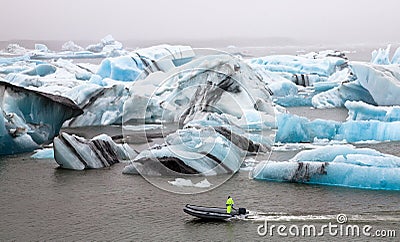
[[212, 213]]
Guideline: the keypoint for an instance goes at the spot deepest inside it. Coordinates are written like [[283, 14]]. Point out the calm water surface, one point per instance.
[[40, 202]]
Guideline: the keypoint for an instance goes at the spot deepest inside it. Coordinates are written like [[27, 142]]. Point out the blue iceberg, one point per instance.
[[30, 118], [337, 166], [295, 129], [364, 111], [47, 153], [128, 68]]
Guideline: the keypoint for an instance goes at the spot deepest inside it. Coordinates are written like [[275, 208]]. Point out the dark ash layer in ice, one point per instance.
[[222, 108], [77, 153]]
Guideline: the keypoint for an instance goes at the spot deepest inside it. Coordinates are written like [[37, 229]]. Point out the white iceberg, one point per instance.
[[180, 182], [189, 151], [382, 56], [381, 81], [71, 46], [76, 153], [299, 64], [222, 109]]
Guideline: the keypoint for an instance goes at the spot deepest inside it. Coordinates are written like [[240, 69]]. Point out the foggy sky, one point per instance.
[[316, 20]]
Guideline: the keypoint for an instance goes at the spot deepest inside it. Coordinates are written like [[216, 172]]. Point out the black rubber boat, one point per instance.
[[212, 213]]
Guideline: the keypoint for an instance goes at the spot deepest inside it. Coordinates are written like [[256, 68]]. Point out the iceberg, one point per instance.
[[71, 46], [337, 96], [40, 70], [11, 60], [189, 151], [14, 49], [101, 105], [130, 67], [299, 64], [41, 48], [381, 81], [30, 118], [363, 111], [335, 165], [76, 153], [382, 56], [78, 82], [222, 110], [295, 129], [208, 83]]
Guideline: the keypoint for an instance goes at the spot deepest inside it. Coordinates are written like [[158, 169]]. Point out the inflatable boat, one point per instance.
[[212, 213]]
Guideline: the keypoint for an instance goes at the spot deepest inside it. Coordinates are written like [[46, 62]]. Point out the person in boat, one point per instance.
[[229, 204]]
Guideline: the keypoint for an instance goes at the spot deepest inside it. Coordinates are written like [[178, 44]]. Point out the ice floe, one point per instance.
[[335, 165], [180, 182], [295, 129], [46, 153]]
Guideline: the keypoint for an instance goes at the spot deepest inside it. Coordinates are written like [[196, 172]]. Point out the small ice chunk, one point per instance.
[[180, 182], [47, 153]]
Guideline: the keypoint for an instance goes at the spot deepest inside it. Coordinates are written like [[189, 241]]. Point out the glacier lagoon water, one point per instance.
[[40, 202]]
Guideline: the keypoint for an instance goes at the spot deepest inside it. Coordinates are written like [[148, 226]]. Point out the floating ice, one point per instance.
[[292, 129], [124, 68], [180, 182], [128, 68], [337, 96], [364, 111], [222, 108], [295, 129], [189, 151], [299, 65], [30, 118], [11, 60], [382, 56], [47, 153], [15, 49], [41, 48], [107, 44], [40, 70], [335, 165], [77, 153], [102, 105], [381, 81], [71, 46]]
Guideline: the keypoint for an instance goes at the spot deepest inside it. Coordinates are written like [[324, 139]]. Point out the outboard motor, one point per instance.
[[242, 211]]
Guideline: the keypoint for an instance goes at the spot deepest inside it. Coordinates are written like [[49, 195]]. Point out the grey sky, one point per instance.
[[337, 20]]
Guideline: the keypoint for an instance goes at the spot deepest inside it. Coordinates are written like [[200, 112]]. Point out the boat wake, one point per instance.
[[255, 216]]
